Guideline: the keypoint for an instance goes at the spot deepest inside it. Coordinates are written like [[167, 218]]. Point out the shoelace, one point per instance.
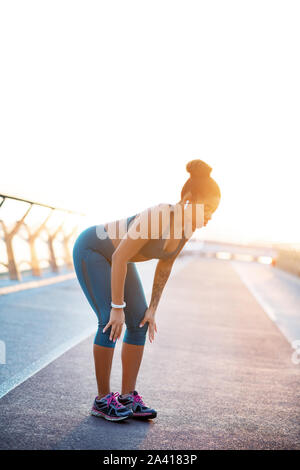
[[138, 399], [113, 399]]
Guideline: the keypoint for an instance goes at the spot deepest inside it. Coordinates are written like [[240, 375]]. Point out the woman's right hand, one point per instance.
[[116, 321]]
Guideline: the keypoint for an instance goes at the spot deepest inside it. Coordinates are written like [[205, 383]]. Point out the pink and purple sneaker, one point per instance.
[[134, 402], [110, 408]]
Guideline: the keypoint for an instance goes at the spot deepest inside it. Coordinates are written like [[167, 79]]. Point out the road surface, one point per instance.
[[219, 372]]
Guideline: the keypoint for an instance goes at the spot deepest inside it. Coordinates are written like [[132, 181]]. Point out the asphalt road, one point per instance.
[[219, 374]]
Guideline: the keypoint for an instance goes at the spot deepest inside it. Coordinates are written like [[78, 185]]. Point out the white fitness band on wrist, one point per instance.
[[118, 306]]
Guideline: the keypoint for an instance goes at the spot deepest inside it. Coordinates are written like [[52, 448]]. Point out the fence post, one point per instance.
[[13, 269], [68, 256], [51, 238], [36, 270]]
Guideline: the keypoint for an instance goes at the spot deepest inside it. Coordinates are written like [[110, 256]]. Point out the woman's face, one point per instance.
[[208, 205]]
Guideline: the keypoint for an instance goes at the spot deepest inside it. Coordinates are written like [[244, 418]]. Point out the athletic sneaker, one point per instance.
[[109, 408], [133, 401]]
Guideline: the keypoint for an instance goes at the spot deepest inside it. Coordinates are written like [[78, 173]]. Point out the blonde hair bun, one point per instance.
[[198, 169]]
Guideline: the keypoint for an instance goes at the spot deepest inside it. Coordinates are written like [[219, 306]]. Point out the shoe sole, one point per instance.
[[108, 418], [144, 415]]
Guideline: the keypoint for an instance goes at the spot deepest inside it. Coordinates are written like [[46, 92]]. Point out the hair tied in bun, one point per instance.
[[198, 169]]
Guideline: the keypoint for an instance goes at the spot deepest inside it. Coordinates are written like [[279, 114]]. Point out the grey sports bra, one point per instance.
[[154, 247]]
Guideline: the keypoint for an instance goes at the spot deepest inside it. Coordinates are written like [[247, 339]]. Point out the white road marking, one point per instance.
[[35, 284], [36, 366], [277, 292], [268, 309]]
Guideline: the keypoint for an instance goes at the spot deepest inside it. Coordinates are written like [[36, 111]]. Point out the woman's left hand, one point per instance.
[[150, 318]]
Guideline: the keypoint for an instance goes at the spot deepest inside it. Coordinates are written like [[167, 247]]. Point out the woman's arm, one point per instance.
[[162, 273], [129, 246], [118, 275], [119, 261]]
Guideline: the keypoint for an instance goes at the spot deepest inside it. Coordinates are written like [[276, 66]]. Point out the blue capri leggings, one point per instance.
[[92, 263]]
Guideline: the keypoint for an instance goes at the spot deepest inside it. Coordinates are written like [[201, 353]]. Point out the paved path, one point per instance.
[[278, 292], [219, 373]]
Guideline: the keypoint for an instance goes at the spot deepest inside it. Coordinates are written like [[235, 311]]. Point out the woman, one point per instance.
[[104, 262]]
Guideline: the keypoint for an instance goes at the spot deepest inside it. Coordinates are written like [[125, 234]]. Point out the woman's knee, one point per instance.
[[102, 339], [136, 335]]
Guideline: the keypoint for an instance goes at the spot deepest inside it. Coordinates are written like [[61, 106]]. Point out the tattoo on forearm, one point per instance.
[[160, 279]]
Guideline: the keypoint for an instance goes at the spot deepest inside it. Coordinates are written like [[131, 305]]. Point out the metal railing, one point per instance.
[[9, 233], [284, 256]]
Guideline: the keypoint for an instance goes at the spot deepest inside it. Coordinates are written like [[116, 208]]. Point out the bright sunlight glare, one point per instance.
[[104, 103]]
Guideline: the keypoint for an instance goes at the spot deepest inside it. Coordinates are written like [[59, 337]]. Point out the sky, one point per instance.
[[102, 104]]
